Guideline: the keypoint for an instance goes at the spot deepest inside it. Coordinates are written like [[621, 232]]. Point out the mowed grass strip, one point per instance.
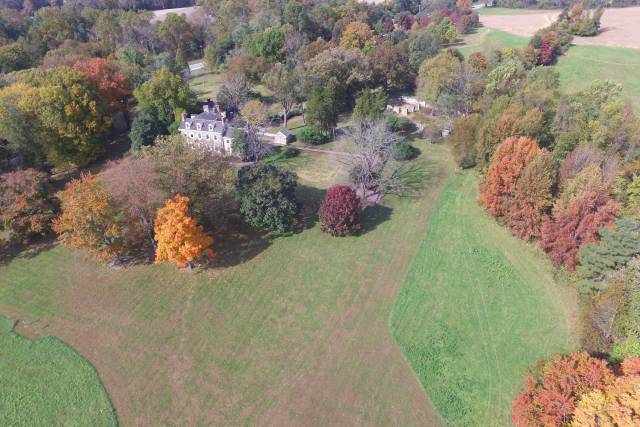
[[293, 333], [477, 309], [45, 383]]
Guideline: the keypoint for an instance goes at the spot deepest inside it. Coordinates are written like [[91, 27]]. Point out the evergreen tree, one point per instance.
[[615, 249]]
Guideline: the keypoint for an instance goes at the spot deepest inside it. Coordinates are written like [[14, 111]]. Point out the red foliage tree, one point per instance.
[[508, 162], [406, 21], [424, 21], [25, 205], [551, 400], [577, 224], [340, 211], [109, 82]]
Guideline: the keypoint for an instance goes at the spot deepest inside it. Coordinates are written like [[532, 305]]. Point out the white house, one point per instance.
[[209, 129]]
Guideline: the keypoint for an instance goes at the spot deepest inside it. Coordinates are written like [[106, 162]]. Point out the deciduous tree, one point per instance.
[[26, 208], [340, 211], [550, 400], [507, 164], [180, 239], [576, 224], [110, 84], [90, 218]]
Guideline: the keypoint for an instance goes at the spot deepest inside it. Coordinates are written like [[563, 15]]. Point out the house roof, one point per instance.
[[284, 131]]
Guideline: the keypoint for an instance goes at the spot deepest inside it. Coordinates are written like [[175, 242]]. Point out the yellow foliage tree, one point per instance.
[[180, 239], [357, 35], [89, 218], [617, 405]]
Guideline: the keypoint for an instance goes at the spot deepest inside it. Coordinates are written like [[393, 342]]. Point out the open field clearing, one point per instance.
[[45, 380], [295, 334], [160, 15], [477, 309], [578, 67], [619, 26]]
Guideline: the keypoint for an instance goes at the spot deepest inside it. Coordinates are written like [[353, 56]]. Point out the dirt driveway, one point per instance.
[[620, 27]]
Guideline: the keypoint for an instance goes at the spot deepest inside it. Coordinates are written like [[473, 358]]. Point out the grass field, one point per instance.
[[45, 382], [486, 40], [284, 331], [477, 309], [583, 64], [205, 83], [578, 67], [504, 11]]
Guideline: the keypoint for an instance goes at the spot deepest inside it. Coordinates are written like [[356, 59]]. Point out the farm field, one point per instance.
[[477, 309], [284, 331], [49, 382], [619, 26]]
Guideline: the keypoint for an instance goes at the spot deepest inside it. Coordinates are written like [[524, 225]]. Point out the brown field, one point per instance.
[[620, 27], [160, 15]]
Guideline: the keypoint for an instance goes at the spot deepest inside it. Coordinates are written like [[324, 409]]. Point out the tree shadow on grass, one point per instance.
[[310, 199], [236, 243], [10, 250], [372, 216]]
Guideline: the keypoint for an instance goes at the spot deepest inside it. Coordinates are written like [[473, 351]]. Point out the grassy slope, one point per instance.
[[295, 334], [486, 40], [477, 309], [45, 382]]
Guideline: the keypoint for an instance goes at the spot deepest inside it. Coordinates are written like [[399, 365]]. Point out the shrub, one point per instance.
[[340, 211], [404, 151], [291, 152], [312, 136]]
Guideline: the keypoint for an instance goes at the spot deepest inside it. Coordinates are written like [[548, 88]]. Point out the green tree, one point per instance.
[[615, 249], [370, 104], [268, 44], [321, 109], [425, 45], [266, 195], [437, 73], [145, 129], [285, 83], [165, 95], [178, 33]]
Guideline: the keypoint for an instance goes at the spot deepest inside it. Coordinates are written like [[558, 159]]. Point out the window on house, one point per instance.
[[191, 135]]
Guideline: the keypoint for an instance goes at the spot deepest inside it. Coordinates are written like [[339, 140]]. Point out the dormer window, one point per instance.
[[199, 126], [187, 125], [210, 127]]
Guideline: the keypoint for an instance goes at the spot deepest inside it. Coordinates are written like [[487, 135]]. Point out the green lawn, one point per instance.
[[283, 331], [45, 383], [478, 308], [583, 64], [205, 83], [486, 40]]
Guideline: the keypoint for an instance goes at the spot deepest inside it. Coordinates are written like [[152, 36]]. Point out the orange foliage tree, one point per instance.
[[179, 237], [532, 198], [551, 399], [507, 163], [89, 218]]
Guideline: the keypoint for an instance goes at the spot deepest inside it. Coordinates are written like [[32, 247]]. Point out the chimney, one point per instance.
[[205, 107], [184, 116]]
